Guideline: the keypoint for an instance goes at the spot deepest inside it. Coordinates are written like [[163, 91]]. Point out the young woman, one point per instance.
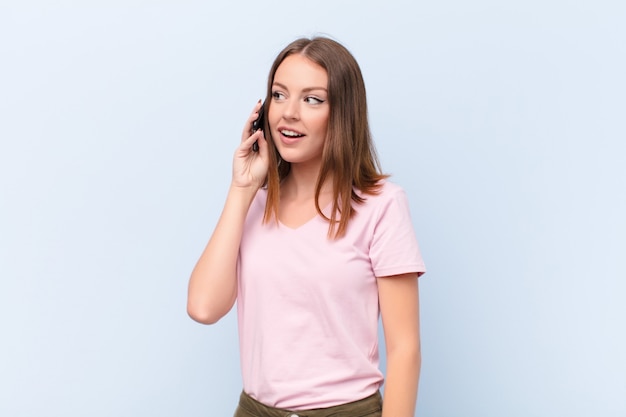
[[314, 243]]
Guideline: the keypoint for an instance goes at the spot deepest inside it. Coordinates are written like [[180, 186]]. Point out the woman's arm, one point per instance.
[[213, 284], [399, 307]]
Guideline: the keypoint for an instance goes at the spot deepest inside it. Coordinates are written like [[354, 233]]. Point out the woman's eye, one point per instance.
[[278, 96], [313, 100]]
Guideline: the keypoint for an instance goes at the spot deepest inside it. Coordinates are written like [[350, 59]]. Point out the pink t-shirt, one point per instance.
[[308, 305]]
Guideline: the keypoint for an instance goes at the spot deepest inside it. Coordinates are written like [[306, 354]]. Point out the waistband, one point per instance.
[[367, 407]]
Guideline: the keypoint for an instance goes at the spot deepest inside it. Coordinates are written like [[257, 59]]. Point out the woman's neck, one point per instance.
[[301, 181]]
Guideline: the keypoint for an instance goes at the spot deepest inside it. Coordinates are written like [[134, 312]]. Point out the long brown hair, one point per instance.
[[349, 155]]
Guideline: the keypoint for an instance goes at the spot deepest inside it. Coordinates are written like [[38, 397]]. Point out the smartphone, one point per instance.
[[258, 124]]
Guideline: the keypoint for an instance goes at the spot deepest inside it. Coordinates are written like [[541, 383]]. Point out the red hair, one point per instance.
[[349, 155]]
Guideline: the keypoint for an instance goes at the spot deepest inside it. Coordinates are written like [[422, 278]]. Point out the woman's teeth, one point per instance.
[[291, 133]]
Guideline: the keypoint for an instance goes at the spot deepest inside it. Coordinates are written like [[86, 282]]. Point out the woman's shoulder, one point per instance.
[[390, 187], [257, 208], [261, 194], [386, 190], [387, 199], [387, 209]]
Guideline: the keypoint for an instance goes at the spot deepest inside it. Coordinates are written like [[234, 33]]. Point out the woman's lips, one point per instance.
[[289, 136]]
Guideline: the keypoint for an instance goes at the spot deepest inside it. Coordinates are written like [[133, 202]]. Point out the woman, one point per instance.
[[314, 243]]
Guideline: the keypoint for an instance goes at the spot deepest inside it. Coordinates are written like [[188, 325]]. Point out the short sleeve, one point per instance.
[[394, 249]]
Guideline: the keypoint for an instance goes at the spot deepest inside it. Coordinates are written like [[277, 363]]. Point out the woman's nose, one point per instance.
[[291, 110]]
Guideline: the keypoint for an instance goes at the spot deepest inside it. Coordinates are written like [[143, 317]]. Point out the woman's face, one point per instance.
[[299, 110]]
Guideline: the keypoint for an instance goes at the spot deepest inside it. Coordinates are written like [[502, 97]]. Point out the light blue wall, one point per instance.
[[505, 122]]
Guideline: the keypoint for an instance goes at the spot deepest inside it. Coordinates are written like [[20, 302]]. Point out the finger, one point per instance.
[[248, 141], [262, 142]]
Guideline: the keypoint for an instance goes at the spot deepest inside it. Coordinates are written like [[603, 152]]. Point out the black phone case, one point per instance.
[[258, 124]]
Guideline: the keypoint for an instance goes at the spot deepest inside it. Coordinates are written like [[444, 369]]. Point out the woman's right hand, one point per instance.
[[250, 167]]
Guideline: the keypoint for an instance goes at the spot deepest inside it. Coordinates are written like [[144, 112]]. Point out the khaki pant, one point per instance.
[[367, 407]]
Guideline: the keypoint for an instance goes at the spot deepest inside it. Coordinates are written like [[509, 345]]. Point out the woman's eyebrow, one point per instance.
[[306, 90]]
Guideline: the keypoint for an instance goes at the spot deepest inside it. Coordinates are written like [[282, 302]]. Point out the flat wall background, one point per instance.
[[504, 121]]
